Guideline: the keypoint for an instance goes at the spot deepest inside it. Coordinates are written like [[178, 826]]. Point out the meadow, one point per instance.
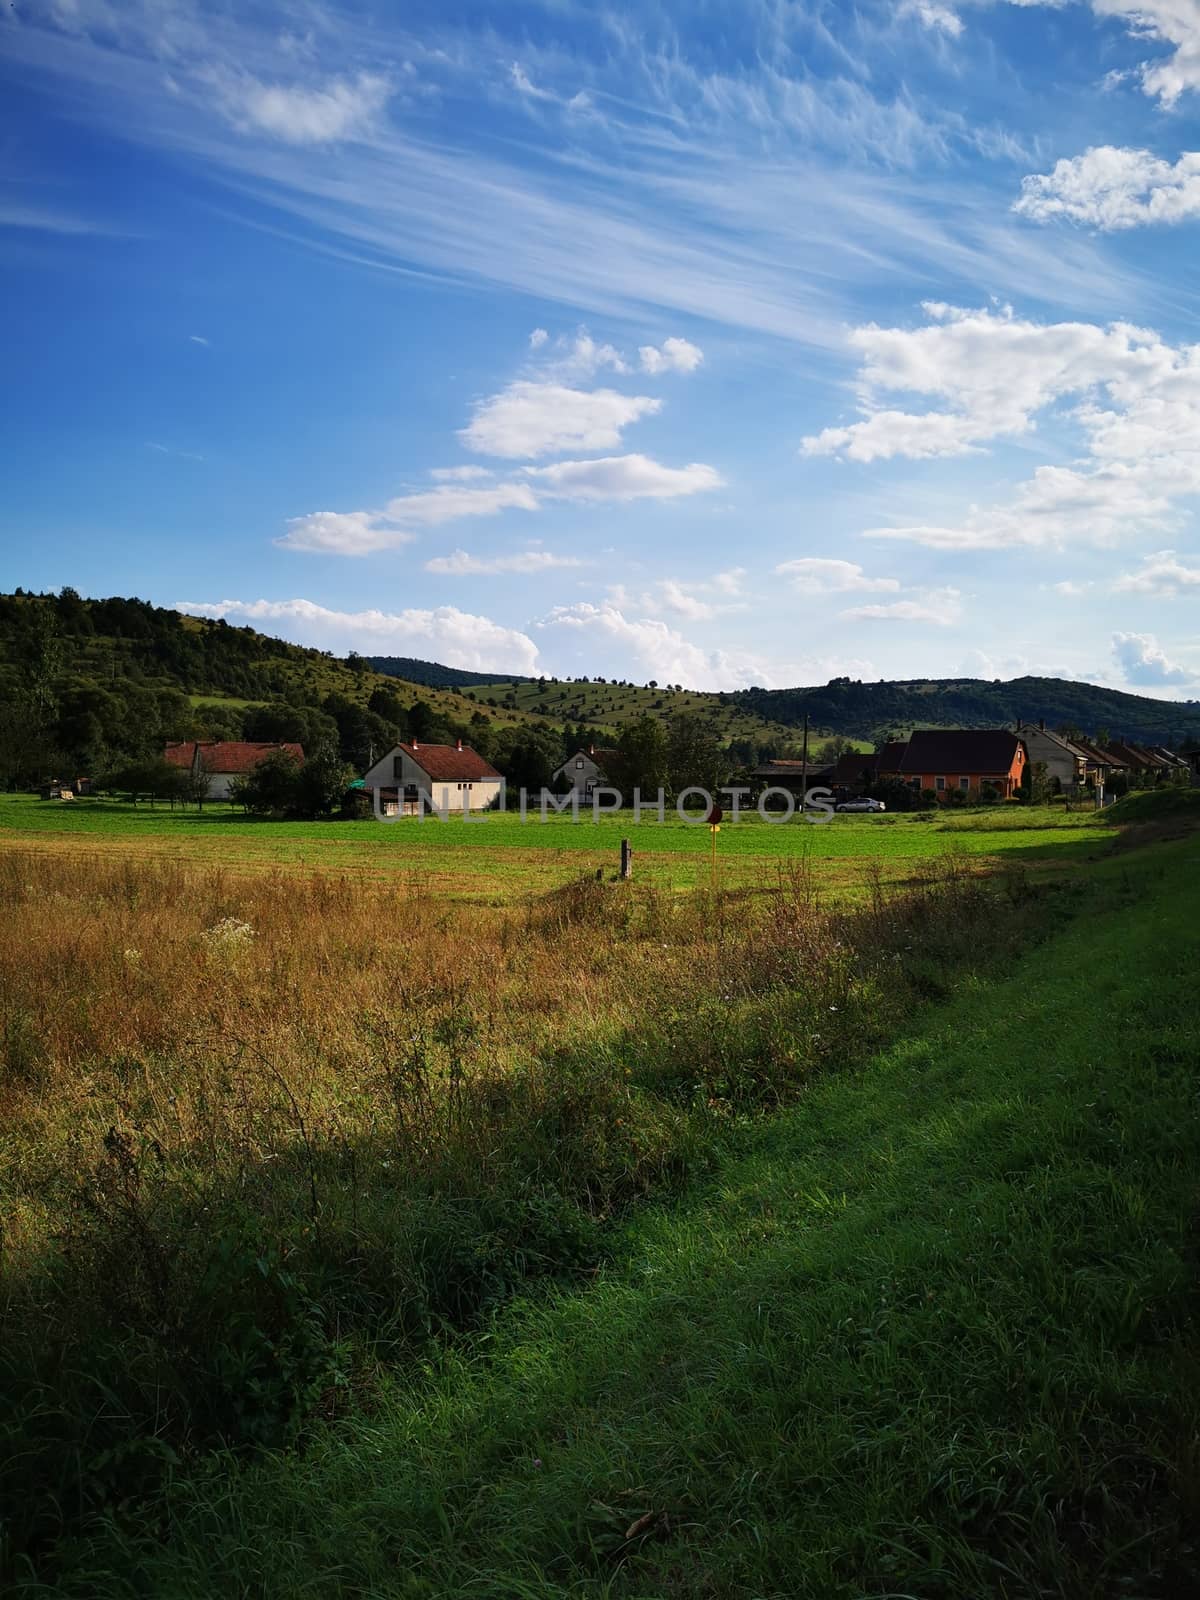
[[497, 858], [555, 1235]]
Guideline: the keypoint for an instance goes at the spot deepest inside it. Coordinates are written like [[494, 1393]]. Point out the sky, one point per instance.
[[719, 342]]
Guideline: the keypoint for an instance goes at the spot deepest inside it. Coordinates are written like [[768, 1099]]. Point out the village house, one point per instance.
[[791, 775], [1065, 763], [973, 761], [444, 777], [586, 770], [223, 760]]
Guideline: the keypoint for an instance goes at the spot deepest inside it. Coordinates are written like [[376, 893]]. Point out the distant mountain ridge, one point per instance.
[[868, 710]]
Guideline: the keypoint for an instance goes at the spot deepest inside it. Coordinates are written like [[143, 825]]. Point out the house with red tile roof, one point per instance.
[[223, 760], [442, 777]]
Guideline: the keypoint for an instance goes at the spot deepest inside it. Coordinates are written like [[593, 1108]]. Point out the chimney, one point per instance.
[[459, 744], [1042, 724], [415, 745], [591, 749]]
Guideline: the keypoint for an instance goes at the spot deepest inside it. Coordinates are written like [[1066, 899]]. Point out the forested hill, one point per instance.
[[868, 710], [435, 675]]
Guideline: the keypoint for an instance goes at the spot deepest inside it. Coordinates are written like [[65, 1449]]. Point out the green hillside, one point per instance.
[[870, 710]]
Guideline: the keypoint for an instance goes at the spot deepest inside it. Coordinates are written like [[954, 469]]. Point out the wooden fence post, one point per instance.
[[626, 861]]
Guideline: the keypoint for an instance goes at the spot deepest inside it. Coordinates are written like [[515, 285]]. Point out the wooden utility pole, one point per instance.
[[804, 766]]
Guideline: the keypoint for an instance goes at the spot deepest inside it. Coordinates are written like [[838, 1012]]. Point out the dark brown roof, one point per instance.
[[961, 751], [890, 757], [854, 766], [446, 763], [226, 755], [1098, 757]]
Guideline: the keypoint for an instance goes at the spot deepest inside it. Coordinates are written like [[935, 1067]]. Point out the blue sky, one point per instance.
[[725, 343]]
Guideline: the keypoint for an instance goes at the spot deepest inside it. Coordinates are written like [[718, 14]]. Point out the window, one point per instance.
[[939, 784], [964, 783], [579, 764], [397, 767]]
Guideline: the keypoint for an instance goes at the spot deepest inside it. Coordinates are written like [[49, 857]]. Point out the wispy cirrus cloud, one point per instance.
[[940, 607], [460, 564]]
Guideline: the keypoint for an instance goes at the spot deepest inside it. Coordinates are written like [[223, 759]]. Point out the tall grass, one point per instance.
[[268, 1136]]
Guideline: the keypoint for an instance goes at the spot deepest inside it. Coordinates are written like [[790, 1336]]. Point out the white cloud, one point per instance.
[[1112, 188], [448, 502], [1142, 660], [197, 338], [937, 17], [342, 533], [461, 564], [531, 419], [581, 357], [815, 575], [942, 607], [1175, 22], [675, 355], [1136, 403], [460, 474], [538, 338], [1069, 589], [661, 651], [1162, 575], [457, 638], [632, 477], [339, 108]]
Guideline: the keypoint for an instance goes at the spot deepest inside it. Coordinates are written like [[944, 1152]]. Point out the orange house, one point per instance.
[[970, 760]]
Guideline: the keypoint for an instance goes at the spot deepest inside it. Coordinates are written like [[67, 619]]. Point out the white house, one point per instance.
[[223, 760], [586, 769], [1066, 763], [447, 777]]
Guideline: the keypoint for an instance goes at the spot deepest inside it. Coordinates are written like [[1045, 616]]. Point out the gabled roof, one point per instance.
[[602, 756], [853, 766], [225, 756], [1030, 729], [890, 757], [448, 763], [961, 751], [1134, 756], [1099, 757]]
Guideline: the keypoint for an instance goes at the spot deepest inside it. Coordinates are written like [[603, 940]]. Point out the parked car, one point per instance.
[[866, 804]]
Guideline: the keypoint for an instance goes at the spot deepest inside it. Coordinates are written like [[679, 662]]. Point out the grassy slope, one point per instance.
[[498, 857], [930, 1334], [612, 705]]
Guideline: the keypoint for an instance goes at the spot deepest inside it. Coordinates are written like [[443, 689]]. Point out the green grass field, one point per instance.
[[498, 857], [930, 1332]]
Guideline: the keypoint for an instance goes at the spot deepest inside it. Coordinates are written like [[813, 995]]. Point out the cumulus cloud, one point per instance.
[[460, 474], [941, 607], [632, 477], [338, 108], [529, 419], [457, 638], [660, 650], [1112, 188], [674, 355], [357, 533], [815, 575], [1136, 401], [342, 533], [538, 338], [1162, 575], [1173, 22], [1142, 660], [462, 565]]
